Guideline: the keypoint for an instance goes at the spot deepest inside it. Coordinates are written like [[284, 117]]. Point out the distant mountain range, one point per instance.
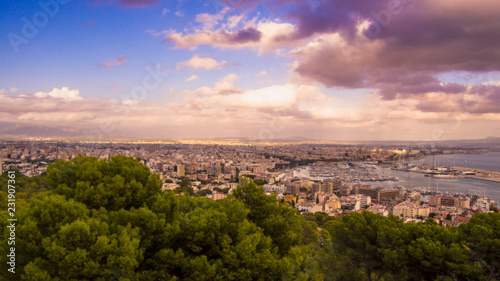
[[75, 135], [42, 132]]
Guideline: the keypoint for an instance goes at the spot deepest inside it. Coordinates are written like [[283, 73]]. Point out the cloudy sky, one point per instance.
[[327, 69]]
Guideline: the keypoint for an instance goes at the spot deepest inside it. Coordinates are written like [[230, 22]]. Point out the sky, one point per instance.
[[422, 70]]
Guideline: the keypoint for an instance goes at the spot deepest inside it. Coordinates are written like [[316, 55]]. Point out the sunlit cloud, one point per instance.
[[197, 62], [192, 78], [64, 93]]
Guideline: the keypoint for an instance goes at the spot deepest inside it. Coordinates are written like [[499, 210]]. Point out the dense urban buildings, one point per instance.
[[314, 178]]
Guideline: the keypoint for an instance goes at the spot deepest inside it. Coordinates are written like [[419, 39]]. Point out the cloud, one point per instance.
[[138, 3], [210, 20], [276, 96], [118, 61], [395, 47], [225, 86], [179, 14], [64, 93], [265, 35], [233, 21], [115, 85], [197, 62], [409, 50], [11, 90], [474, 99], [221, 38], [192, 78], [287, 110], [262, 73], [126, 3]]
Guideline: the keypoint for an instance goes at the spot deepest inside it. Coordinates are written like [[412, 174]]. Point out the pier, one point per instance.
[[481, 174]]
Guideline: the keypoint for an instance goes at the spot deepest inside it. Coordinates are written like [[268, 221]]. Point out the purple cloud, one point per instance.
[[118, 61], [139, 3]]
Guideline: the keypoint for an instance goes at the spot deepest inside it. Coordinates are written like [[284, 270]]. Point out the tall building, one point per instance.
[[217, 168], [179, 168], [449, 201], [293, 187], [336, 184], [435, 201], [367, 190], [1, 164]]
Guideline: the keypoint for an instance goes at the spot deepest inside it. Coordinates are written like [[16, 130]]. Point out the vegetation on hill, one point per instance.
[[98, 220]]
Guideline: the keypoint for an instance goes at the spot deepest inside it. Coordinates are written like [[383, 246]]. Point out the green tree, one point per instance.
[[60, 240], [185, 182], [369, 246], [276, 219], [260, 182], [436, 252], [482, 237], [67, 236], [120, 183]]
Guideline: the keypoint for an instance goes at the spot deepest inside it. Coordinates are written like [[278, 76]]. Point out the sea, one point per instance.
[[487, 161], [413, 180]]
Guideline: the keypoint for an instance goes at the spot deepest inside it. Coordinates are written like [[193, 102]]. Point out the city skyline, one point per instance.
[[323, 70]]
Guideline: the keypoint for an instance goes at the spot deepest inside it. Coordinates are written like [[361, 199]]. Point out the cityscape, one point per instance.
[[332, 178]]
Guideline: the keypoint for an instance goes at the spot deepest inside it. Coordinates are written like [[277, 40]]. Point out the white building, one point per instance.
[[409, 209]]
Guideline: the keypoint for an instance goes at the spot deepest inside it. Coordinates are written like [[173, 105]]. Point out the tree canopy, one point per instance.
[[92, 219]]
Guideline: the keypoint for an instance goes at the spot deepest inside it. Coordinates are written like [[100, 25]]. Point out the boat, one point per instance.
[[442, 176]]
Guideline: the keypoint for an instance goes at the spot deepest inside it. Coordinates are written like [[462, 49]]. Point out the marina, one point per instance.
[[452, 180]]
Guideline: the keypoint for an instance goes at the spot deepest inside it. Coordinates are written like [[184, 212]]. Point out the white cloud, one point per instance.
[[225, 86], [262, 73], [13, 89], [210, 20], [64, 93], [265, 35], [191, 78], [226, 110], [197, 62]]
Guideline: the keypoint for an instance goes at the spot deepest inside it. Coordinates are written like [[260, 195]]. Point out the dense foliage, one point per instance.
[[98, 220]]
